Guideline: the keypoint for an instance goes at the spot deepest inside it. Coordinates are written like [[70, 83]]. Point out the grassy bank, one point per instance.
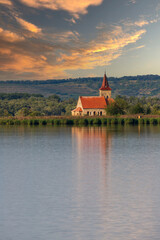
[[69, 121]]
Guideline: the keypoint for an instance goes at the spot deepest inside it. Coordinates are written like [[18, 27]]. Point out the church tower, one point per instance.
[[105, 90]]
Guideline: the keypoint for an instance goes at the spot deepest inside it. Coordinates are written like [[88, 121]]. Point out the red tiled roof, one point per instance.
[[105, 85], [77, 109], [93, 102]]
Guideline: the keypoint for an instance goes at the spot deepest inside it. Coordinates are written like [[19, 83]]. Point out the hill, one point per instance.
[[144, 85]]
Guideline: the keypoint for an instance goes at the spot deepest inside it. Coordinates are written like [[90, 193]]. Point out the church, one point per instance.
[[94, 106]]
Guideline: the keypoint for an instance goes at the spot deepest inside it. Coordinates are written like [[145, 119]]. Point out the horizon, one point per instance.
[[83, 77], [66, 39]]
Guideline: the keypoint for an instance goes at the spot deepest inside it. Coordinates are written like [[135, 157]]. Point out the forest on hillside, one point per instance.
[[138, 86], [21, 105]]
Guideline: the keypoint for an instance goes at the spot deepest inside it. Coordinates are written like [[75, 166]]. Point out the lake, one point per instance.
[[80, 183]]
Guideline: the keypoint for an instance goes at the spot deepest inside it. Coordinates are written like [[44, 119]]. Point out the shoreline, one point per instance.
[[82, 121]]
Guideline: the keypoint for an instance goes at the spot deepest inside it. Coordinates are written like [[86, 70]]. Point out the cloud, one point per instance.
[[101, 26], [28, 26], [9, 36], [56, 55], [72, 6], [141, 23], [71, 20], [6, 2], [66, 36], [132, 1], [101, 51]]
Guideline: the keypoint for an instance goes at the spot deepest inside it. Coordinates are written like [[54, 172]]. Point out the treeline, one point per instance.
[[134, 105], [150, 77], [20, 104], [24, 104]]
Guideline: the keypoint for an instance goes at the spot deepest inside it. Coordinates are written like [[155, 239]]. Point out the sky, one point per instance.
[[57, 39]]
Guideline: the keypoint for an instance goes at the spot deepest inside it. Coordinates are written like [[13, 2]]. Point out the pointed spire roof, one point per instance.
[[105, 84]]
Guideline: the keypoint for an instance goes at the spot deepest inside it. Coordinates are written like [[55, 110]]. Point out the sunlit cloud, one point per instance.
[[66, 36], [55, 55], [100, 51], [71, 20], [6, 2], [154, 21], [141, 46], [141, 23], [72, 6], [9, 36], [28, 26]]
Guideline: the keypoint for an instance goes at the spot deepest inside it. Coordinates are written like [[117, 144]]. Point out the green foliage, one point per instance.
[[97, 121], [135, 109], [129, 121], [104, 121], [11, 96], [76, 121], [153, 121], [109, 121], [141, 121], [121, 121], [90, 121], [83, 122], [117, 107], [114, 121], [17, 122], [145, 85], [146, 121], [57, 122], [22, 105]]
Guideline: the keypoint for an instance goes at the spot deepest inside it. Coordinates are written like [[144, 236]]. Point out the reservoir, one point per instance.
[[80, 183]]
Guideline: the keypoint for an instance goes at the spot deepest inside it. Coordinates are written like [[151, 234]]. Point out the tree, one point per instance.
[[114, 109], [138, 108]]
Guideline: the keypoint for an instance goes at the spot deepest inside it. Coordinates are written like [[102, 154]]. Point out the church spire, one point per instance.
[[105, 84]]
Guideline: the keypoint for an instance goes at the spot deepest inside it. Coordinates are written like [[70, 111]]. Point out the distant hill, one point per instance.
[[145, 85]]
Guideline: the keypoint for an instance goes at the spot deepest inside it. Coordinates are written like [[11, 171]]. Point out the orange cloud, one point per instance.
[[5, 51], [28, 26], [100, 53], [10, 36], [7, 2], [141, 23], [72, 6], [54, 55], [45, 63]]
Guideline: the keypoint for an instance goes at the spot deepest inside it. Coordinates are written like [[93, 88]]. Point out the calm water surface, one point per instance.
[[80, 183]]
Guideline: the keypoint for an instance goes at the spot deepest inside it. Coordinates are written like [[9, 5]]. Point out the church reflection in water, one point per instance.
[[92, 155], [93, 144]]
